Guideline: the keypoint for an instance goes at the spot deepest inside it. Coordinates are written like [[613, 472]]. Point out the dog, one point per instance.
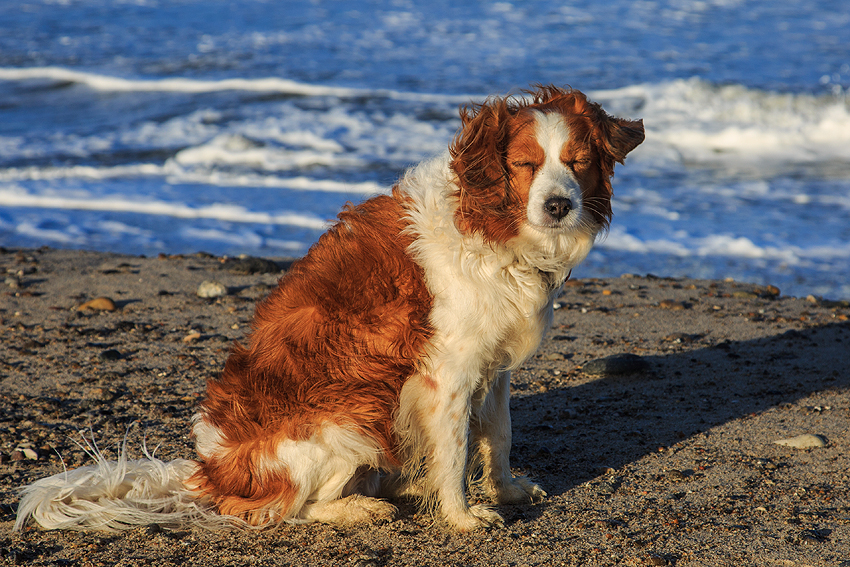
[[381, 364]]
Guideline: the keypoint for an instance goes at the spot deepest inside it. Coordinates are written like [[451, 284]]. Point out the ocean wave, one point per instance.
[[275, 85], [693, 122], [723, 245], [175, 174], [12, 197], [688, 122]]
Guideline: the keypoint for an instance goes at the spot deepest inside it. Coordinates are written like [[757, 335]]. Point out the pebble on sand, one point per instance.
[[192, 337], [211, 289], [617, 364], [98, 304], [804, 441], [250, 265]]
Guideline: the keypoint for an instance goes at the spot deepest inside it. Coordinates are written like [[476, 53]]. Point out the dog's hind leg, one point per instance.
[[292, 480], [354, 509], [352, 503]]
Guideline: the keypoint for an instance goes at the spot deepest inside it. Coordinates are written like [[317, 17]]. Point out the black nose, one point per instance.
[[558, 207]]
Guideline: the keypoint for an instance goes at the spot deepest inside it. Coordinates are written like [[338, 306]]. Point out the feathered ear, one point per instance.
[[619, 136], [478, 151], [486, 200], [614, 139]]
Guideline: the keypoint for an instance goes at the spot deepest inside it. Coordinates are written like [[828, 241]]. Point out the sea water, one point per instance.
[[242, 127]]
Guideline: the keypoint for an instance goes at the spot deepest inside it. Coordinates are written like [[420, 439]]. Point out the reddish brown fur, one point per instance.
[[491, 200], [333, 343]]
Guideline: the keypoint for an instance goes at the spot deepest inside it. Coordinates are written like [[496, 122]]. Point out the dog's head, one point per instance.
[[544, 161]]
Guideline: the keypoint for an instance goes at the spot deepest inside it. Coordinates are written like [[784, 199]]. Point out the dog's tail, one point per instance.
[[118, 495]]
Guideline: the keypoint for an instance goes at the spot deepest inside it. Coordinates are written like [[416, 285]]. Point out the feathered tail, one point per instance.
[[118, 495]]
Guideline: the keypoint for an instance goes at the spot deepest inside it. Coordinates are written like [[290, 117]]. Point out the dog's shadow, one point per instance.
[[569, 435]]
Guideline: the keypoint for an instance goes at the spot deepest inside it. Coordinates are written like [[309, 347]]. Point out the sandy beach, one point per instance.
[[664, 457]]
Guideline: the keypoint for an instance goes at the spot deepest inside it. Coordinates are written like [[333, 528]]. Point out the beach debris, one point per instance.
[[192, 337], [617, 364], [24, 452], [249, 265], [804, 441], [768, 292], [682, 338], [98, 304], [672, 305], [554, 356], [211, 289]]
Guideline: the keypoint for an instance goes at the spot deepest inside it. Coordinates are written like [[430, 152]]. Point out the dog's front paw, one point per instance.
[[518, 490], [478, 516]]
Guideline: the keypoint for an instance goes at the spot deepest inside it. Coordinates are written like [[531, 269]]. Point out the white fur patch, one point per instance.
[[554, 178]]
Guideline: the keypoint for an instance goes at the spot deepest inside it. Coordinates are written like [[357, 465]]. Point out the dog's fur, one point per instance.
[[388, 348]]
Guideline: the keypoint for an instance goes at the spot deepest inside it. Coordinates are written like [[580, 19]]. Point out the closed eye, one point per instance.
[[526, 165], [577, 164]]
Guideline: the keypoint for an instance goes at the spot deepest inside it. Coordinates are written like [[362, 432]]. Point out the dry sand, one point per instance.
[[672, 461]]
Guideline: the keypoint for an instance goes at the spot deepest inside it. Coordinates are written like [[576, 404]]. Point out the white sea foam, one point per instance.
[[68, 236], [234, 149], [694, 122], [120, 203], [194, 86], [175, 174], [722, 245]]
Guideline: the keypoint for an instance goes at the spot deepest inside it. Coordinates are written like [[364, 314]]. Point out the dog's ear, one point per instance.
[[614, 138], [479, 148], [618, 136], [486, 201]]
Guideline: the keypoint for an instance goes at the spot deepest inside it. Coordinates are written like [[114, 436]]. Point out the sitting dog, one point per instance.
[[381, 364]]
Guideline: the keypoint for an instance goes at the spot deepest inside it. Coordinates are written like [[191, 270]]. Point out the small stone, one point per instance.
[[554, 356], [804, 441], [675, 474], [681, 338], [744, 295], [672, 305], [617, 364], [815, 536], [192, 337], [12, 282], [29, 453], [211, 290], [98, 304], [770, 291], [111, 354], [18, 455]]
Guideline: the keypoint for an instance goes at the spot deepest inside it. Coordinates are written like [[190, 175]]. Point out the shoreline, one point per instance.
[[664, 458]]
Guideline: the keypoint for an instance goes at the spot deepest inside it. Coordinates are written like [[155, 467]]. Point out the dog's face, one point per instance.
[[545, 164]]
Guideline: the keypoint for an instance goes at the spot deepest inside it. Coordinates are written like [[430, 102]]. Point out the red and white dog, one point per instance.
[[389, 347]]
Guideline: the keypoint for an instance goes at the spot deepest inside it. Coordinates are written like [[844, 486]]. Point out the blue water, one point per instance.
[[148, 126]]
